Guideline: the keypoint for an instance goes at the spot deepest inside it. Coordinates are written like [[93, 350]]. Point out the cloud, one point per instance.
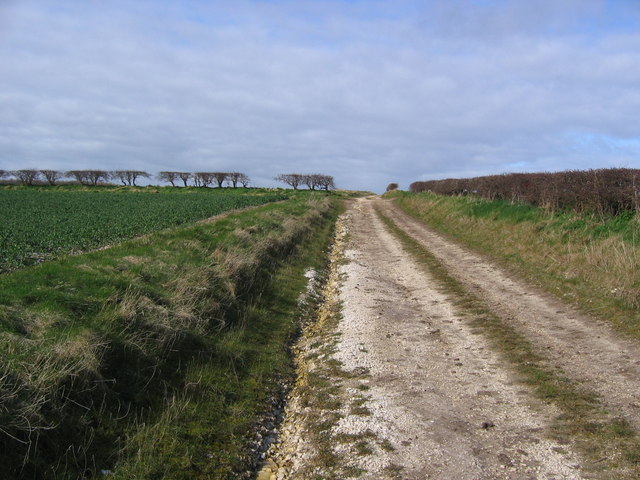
[[370, 92]]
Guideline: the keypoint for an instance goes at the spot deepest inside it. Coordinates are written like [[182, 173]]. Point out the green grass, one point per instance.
[[441, 208], [154, 358], [38, 224], [589, 260], [243, 377], [502, 210]]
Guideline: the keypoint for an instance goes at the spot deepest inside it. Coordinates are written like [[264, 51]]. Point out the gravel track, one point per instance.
[[438, 394], [423, 394], [586, 350]]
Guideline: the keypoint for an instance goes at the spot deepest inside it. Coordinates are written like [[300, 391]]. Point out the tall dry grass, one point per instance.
[[591, 260]]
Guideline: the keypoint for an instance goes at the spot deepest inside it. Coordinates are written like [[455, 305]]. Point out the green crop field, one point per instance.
[[37, 225]]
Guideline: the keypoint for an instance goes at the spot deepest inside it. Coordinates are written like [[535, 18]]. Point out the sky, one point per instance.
[[368, 91]]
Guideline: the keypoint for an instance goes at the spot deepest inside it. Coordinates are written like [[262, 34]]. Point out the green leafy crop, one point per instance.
[[37, 225]]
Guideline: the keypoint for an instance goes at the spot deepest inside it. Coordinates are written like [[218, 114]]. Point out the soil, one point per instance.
[[423, 394]]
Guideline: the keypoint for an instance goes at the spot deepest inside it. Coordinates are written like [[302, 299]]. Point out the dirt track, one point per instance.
[[432, 399], [586, 350]]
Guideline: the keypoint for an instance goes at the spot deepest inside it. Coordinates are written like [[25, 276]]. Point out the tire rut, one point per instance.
[[585, 349]]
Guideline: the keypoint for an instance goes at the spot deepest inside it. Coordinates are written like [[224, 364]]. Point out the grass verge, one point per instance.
[[589, 260], [155, 358], [322, 395], [608, 443]]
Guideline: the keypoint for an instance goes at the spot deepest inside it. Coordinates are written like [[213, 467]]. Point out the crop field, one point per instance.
[[37, 225]]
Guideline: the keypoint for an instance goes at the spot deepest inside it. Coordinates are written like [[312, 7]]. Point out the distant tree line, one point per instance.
[[605, 191], [313, 181], [126, 177], [204, 179]]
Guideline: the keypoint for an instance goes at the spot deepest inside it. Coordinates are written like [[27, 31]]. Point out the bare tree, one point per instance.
[[26, 177], [311, 180], [326, 182], [52, 176], [81, 176], [129, 177], [121, 175], [203, 179], [170, 177], [185, 176], [234, 178], [4, 173], [292, 179], [136, 174], [244, 180], [391, 187], [95, 176], [89, 177], [219, 177]]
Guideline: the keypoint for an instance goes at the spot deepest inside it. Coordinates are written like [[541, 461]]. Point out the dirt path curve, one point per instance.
[[424, 396], [586, 350]]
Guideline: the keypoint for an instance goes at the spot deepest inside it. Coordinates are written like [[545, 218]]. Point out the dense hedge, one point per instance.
[[606, 191]]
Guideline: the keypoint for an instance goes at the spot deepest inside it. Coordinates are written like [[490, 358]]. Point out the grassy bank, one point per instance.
[[589, 260], [154, 358]]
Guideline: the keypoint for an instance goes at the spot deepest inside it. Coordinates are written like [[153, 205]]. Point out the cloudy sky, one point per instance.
[[369, 91]]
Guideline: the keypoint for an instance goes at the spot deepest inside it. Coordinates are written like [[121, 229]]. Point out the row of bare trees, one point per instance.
[[605, 191], [204, 179], [85, 177], [313, 181], [126, 177]]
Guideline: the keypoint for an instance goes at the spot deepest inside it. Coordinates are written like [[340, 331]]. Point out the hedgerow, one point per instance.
[[604, 191]]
